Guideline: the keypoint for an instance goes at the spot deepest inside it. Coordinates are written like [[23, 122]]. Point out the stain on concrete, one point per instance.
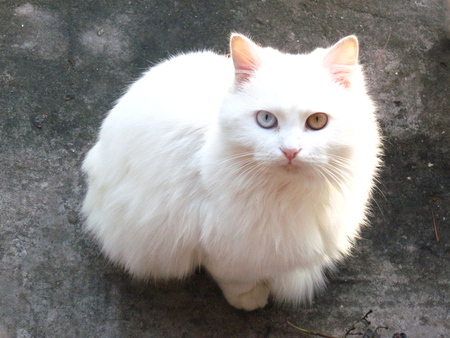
[[39, 32], [107, 39]]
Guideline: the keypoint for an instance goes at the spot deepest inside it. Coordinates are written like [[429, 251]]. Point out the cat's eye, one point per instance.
[[266, 119], [317, 121]]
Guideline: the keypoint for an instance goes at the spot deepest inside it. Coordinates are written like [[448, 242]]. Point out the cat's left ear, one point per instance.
[[246, 57], [342, 60]]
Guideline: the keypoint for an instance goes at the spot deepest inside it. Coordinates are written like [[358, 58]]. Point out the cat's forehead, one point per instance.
[[300, 84], [293, 62], [288, 72]]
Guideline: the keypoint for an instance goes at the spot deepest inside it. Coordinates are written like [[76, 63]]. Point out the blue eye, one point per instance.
[[266, 120]]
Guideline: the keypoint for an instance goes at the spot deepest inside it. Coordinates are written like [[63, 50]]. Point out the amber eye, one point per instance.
[[317, 121]]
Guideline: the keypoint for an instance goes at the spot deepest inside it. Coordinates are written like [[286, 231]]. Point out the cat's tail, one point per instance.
[[298, 286]]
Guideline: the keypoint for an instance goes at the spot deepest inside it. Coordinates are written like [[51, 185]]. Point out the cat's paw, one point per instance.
[[246, 296]]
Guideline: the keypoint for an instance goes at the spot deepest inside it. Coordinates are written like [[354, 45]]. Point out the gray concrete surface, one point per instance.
[[62, 65]]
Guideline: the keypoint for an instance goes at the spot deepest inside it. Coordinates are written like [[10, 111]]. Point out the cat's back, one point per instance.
[[148, 147], [163, 115], [187, 87]]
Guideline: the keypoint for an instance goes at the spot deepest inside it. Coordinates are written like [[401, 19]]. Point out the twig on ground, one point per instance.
[[380, 54], [363, 319], [434, 223], [368, 333], [309, 332]]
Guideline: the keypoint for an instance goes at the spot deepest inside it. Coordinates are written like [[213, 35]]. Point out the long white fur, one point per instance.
[[182, 176]]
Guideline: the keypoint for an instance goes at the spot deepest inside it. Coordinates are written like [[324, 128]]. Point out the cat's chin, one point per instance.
[[290, 167], [295, 168]]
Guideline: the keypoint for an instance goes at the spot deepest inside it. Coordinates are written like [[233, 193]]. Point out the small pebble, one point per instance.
[[399, 335], [38, 120], [72, 217]]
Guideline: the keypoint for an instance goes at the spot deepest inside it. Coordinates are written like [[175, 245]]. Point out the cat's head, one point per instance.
[[297, 112]]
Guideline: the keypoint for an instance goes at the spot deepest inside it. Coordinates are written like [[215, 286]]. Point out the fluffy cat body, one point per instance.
[[183, 176]]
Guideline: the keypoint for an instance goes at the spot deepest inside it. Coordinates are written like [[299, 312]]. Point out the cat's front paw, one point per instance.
[[246, 296]]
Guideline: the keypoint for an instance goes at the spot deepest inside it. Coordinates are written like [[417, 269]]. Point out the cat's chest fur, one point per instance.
[[276, 223]]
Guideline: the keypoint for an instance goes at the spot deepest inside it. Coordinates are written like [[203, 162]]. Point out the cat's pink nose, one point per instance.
[[290, 153]]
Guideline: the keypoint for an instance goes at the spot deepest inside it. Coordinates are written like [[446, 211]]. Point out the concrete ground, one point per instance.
[[62, 65]]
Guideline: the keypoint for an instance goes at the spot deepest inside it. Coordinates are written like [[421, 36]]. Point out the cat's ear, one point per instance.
[[246, 57], [342, 60]]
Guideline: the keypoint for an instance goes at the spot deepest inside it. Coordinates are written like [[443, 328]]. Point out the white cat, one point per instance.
[[257, 167]]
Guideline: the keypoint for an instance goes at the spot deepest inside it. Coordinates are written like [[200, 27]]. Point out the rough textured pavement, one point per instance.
[[62, 65]]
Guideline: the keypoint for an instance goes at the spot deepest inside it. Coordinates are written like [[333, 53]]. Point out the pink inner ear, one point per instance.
[[245, 55], [244, 71], [342, 60], [343, 76]]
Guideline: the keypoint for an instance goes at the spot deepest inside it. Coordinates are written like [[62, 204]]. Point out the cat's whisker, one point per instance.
[[233, 162], [250, 172], [377, 188], [341, 161], [242, 165], [338, 166], [333, 176], [344, 172], [327, 178], [260, 168], [379, 208], [346, 164], [254, 172], [235, 157]]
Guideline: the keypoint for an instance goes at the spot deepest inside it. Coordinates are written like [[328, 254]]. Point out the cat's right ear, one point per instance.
[[245, 55]]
